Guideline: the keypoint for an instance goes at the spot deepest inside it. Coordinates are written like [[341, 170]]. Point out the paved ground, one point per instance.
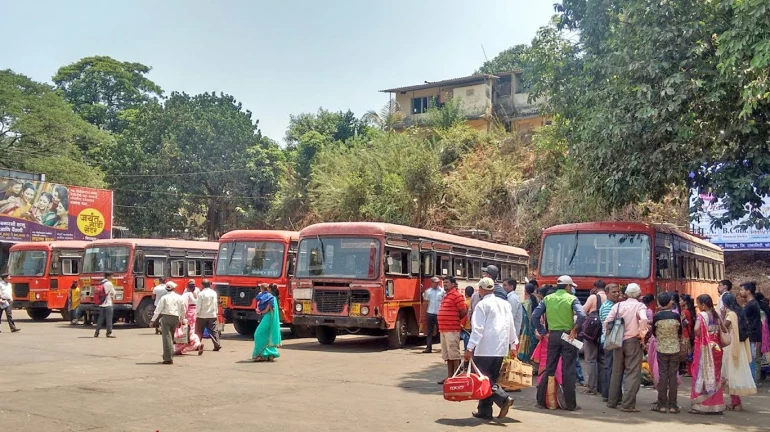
[[54, 377]]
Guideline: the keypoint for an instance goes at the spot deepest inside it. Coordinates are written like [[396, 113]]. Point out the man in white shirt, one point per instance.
[[513, 298], [433, 294], [6, 301], [171, 311], [105, 309], [207, 309], [724, 287], [157, 293], [492, 338]]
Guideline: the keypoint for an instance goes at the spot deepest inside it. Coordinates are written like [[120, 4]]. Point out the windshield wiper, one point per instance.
[[323, 249], [574, 251]]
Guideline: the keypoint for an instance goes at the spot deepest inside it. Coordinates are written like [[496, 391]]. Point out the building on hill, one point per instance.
[[483, 98]]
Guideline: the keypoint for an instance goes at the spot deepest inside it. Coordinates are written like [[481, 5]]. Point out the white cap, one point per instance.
[[633, 290], [565, 280], [170, 286], [487, 284]]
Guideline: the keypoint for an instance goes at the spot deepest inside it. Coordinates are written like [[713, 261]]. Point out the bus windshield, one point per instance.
[[620, 255], [103, 259], [338, 257], [264, 259], [28, 263]]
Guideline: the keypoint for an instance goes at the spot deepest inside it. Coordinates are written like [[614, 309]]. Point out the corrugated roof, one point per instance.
[[454, 81]]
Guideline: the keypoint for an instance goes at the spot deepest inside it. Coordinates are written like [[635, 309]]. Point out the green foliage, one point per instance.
[[384, 120], [661, 96], [514, 58], [105, 91], [237, 169], [395, 178], [446, 116], [39, 132]]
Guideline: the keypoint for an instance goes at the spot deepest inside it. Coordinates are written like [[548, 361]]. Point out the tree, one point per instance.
[[514, 58], [39, 132], [198, 163], [661, 95], [389, 115], [104, 91]]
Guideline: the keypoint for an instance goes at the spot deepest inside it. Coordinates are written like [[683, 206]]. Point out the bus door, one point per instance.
[[428, 270], [65, 268]]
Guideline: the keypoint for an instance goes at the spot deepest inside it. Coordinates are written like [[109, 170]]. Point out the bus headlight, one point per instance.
[[37, 296], [389, 289], [364, 310], [118, 295], [298, 307]]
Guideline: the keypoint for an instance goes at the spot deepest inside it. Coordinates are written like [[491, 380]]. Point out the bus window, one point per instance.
[[290, 263], [193, 268], [177, 268], [156, 267], [460, 267], [427, 264], [208, 268], [396, 261], [138, 260], [476, 269], [70, 266], [444, 265], [414, 260]]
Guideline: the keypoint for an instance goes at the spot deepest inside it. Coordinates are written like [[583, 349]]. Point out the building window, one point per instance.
[[421, 104]]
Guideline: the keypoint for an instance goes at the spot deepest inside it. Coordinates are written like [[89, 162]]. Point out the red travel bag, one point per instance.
[[471, 385]]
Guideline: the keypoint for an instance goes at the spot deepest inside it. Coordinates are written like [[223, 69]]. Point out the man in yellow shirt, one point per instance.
[[465, 334], [74, 303]]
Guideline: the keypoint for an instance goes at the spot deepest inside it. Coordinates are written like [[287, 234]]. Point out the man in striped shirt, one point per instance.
[[613, 295], [451, 311]]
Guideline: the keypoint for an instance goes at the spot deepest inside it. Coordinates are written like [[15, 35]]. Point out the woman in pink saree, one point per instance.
[[194, 343], [706, 392]]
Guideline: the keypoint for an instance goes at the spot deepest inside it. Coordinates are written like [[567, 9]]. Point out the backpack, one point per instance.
[[100, 295], [592, 326]]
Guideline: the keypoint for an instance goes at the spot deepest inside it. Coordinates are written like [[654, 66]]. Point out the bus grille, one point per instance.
[[222, 290], [330, 301], [359, 296], [21, 289], [242, 296]]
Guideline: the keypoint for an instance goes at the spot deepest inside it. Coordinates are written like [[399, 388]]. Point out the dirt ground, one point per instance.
[[55, 377]]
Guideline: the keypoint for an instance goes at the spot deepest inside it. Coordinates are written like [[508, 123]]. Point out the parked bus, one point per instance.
[[247, 258], [137, 266], [369, 277], [657, 257], [41, 275]]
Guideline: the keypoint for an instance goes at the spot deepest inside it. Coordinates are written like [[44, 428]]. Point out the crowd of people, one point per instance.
[[628, 340]]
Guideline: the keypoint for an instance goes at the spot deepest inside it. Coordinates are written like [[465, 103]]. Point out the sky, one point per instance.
[[278, 57]]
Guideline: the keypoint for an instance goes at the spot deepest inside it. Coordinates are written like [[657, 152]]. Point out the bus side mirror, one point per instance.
[[390, 260]]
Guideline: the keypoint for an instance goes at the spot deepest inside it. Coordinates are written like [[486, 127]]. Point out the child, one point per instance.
[[667, 328]]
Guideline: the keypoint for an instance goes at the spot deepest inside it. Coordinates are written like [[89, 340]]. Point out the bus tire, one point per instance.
[[302, 331], [325, 335], [143, 314], [38, 314], [244, 327], [397, 336]]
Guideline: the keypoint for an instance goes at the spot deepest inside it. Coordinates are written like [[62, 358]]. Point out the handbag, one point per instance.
[[725, 338], [182, 335], [472, 385], [614, 339]]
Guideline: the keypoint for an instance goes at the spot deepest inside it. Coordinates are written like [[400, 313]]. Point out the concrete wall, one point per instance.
[[475, 100]]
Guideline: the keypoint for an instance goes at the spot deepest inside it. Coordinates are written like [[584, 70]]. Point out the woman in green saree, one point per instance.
[[267, 338]]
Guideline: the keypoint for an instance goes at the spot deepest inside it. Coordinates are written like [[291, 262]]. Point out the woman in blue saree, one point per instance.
[[267, 338]]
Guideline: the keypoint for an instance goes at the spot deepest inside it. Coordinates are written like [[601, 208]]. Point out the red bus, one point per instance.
[[137, 266], [368, 277], [247, 258], [41, 275], [658, 257]]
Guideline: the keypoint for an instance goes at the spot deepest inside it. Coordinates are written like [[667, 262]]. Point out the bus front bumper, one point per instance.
[[240, 314], [26, 304], [339, 321], [92, 308]]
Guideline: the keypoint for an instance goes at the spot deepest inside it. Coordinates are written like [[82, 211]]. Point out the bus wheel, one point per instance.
[[302, 331], [397, 336], [326, 335], [143, 314], [245, 327], [38, 314]]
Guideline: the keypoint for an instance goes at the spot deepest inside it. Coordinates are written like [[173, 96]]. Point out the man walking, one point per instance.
[[450, 313], [105, 308], [613, 295], [206, 315], [509, 286], [560, 309], [157, 293], [433, 296], [724, 287], [6, 302], [492, 338], [754, 325], [592, 348], [627, 360], [171, 311]]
